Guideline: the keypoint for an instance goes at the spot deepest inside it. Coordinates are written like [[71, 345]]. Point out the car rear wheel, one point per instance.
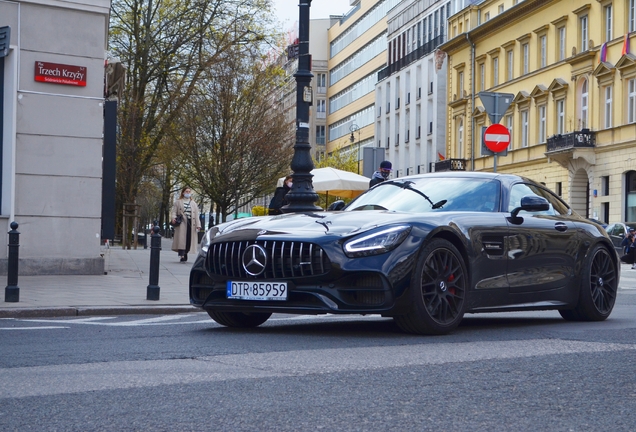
[[598, 288], [239, 319], [438, 288]]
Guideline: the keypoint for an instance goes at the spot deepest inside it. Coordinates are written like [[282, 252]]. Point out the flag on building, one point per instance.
[[625, 44], [603, 58], [440, 156]]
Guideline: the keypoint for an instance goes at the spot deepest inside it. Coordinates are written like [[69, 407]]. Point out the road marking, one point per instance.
[[34, 328], [18, 382]]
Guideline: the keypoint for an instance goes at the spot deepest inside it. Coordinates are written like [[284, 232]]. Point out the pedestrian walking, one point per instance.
[[381, 174], [186, 223]]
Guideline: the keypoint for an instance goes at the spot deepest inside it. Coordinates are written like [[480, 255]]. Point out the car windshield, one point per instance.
[[431, 194]]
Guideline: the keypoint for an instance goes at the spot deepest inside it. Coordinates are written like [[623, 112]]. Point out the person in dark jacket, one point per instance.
[[629, 248], [278, 200], [381, 174]]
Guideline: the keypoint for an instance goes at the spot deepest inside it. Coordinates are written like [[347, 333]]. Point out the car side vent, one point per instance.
[[493, 245], [285, 259]]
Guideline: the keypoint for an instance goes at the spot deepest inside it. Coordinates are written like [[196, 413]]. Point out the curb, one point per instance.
[[54, 312]]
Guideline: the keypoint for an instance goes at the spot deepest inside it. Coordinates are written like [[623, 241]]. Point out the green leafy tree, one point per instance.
[[235, 145], [167, 47]]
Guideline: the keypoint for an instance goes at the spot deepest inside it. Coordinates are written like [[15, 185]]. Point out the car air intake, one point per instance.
[[285, 259]]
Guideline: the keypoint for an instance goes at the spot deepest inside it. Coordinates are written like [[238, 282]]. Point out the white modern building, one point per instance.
[[411, 94]]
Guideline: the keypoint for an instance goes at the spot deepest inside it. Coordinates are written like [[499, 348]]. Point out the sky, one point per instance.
[[287, 10]]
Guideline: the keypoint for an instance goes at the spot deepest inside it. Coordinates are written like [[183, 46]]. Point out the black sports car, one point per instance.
[[422, 249]]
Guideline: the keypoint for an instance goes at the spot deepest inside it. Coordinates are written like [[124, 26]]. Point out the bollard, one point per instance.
[[152, 292], [12, 291]]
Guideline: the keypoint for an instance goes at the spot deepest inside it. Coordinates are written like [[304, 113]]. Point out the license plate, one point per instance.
[[257, 290]]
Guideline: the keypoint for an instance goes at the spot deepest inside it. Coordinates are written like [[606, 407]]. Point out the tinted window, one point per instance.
[[520, 190], [459, 194]]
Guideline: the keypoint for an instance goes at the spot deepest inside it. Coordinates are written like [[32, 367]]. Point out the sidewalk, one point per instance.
[[122, 290]]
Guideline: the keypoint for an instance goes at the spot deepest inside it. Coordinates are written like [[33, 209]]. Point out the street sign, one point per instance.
[[497, 137], [495, 104]]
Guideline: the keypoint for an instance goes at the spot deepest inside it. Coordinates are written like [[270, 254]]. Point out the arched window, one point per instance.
[[583, 101]]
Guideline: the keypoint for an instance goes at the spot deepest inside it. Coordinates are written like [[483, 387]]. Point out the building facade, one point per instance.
[[357, 52], [52, 124], [571, 78], [411, 91]]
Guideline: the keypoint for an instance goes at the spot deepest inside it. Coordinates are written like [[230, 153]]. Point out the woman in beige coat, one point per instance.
[[185, 234]]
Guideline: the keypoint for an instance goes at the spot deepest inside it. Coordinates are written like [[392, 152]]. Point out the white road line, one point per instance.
[[34, 328], [79, 378]]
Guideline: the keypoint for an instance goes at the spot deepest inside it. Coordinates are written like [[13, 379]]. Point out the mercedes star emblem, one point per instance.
[[254, 260]]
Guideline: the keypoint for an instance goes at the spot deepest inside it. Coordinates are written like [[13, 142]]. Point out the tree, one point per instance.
[[234, 143], [166, 48]]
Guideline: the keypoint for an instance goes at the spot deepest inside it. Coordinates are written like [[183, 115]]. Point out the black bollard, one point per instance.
[[152, 292], [12, 291]]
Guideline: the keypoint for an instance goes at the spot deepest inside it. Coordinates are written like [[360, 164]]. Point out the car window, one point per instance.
[[618, 230], [520, 190], [445, 194]]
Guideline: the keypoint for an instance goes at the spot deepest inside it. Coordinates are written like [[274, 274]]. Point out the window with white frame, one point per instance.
[[321, 83], [607, 16], [584, 33], [631, 101], [543, 46], [525, 48], [509, 120], [583, 103], [524, 128], [560, 116], [542, 123], [608, 107], [631, 15], [510, 65], [320, 134], [482, 76], [460, 84], [495, 71], [321, 108], [561, 42], [460, 139]]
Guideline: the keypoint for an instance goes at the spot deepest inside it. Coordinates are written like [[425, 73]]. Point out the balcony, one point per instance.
[[566, 142], [564, 148], [451, 165], [414, 55]]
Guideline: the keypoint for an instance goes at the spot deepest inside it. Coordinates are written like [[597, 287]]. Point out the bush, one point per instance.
[[259, 211]]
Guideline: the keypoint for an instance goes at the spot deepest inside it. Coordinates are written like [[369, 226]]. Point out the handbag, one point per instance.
[[177, 221]]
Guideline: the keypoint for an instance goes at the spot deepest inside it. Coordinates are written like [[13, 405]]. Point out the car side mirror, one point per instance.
[[336, 205], [531, 203]]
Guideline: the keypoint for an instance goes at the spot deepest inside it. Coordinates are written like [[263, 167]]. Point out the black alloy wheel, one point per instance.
[[239, 319], [438, 287], [598, 288]]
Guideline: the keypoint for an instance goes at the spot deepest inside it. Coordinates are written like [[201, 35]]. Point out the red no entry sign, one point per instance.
[[497, 137]]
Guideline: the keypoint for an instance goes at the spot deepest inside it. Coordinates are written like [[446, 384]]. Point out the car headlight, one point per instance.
[[376, 242], [207, 239]]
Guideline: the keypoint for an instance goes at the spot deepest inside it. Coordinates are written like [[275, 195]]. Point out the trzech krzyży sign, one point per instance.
[[56, 73]]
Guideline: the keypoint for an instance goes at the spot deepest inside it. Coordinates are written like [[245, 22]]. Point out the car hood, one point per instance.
[[308, 224]]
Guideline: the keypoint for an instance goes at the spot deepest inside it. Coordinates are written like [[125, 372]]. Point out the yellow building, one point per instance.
[[572, 79], [357, 52]]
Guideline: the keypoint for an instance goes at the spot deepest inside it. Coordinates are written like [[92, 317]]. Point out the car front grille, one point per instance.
[[285, 259]]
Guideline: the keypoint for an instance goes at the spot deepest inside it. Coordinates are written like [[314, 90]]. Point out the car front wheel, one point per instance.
[[438, 288], [598, 288], [239, 319]]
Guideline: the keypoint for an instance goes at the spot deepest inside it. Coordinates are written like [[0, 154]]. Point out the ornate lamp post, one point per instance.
[[302, 196], [353, 128]]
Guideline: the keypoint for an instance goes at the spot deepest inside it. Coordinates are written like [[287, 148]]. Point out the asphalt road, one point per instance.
[[497, 372]]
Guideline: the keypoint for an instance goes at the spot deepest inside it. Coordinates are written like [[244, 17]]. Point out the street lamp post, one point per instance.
[[302, 196], [353, 128]]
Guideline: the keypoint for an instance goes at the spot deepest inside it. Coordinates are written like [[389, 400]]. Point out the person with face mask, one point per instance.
[[185, 233], [382, 174], [278, 200]]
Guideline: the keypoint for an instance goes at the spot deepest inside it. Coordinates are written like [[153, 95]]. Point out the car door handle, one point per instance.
[[560, 226]]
